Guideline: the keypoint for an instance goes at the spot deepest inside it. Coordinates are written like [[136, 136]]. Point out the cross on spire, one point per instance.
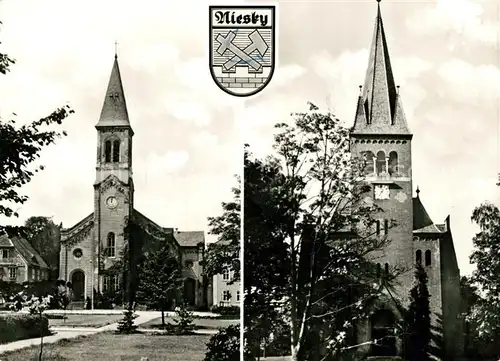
[[116, 49]]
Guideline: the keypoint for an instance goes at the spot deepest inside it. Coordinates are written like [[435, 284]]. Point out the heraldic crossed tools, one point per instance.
[[243, 55]]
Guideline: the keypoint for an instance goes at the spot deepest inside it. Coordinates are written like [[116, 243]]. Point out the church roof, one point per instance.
[[5, 241], [114, 110], [190, 239], [379, 108], [422, 222]]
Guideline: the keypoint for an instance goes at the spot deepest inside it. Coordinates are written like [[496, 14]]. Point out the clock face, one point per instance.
[[382, 192], [111, 202]]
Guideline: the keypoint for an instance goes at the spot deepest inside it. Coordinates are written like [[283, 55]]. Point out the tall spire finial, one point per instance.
[[379, 1], [418, 191], [116, 49]]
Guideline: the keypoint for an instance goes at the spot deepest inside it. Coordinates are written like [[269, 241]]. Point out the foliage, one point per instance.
[[226, 252], [37, 306], [184, 321], [20, 147], [20, 326], [160, 275], [308, 214], [45, 237], [224, 345], [418, 319], [126, 325], [227, 311]]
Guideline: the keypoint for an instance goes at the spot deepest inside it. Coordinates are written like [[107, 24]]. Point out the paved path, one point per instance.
[[74, 332]]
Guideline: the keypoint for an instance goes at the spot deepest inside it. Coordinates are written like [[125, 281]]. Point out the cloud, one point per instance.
[[464, 17]]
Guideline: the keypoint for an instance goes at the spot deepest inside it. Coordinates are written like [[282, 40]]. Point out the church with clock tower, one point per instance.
[[381, 135], [90, 248]]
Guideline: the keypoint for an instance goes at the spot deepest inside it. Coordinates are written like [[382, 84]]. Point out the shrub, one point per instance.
[[224, 345], [14, 326], [126, 325], [227, 311], [184, 321]]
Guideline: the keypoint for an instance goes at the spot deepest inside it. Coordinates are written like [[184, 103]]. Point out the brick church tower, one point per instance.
[[113, 187], [381, 135]]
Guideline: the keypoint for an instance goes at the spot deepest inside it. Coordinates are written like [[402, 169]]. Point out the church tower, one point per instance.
[[113, 187], [380, 134]]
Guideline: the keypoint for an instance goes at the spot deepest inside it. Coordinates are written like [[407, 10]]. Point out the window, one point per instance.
[[381, 162], [112, 151], [386, 269], [378, 228], [111, 283], [427, 258], [226, 296], [116, 151], [238, 296], [78, 253], [419, 257], [378, 270], [225, 275], [393, 163], [5, 253], [12, 273], [36, 275], [110, 246], [369, 164], [107, 151], [386, 226]]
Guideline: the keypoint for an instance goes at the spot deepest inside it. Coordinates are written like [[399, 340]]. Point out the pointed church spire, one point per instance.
[[114, 110], [380, 99]]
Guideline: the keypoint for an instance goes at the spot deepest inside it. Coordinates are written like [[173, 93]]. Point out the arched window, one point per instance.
[[386, 226], [378, 227], [116, 151], [386, 269], [380, 162], [110, 245], [107, 151], [378, 270], [369, 167], [419, 256], [427, 258], [393, 163]]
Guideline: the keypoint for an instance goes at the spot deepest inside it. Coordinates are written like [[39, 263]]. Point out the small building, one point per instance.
[[19, 262], [226, 292]]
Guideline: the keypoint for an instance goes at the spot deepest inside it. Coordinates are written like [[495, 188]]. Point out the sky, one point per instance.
[[189, 133], [444, 57], [187, 145]]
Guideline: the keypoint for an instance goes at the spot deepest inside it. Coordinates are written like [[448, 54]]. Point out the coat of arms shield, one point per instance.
[[242, 48]]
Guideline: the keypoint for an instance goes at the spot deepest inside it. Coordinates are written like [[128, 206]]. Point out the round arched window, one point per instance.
[[77, 253]]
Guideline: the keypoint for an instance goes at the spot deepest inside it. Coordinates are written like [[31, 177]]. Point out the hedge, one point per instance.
[[19, 326], [227, 311]]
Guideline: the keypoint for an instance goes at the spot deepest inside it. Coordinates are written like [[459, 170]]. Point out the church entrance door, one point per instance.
[[190, 291], [78, 282], [382, 326]]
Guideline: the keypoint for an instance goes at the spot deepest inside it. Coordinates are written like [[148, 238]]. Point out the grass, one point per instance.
[[113, 347], [85, 320], [201, 323]]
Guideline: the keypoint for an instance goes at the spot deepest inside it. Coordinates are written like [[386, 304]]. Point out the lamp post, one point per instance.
[[92, 285]]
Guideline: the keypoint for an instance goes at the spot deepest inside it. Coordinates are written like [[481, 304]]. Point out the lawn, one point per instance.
[[113, 347], [85, 320], [201, 323]]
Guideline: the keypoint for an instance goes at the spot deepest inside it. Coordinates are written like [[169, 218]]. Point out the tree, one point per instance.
[[226, 252], [314, 215], [418, 320], [224, 345], [20, 146], [45, 237], [160, 279], [482, 290]]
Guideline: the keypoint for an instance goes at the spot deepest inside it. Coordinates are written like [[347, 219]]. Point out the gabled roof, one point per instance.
[[5, 241], [422, 222], [190, 239], [114, 110], [28, 252], [379, 109]]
